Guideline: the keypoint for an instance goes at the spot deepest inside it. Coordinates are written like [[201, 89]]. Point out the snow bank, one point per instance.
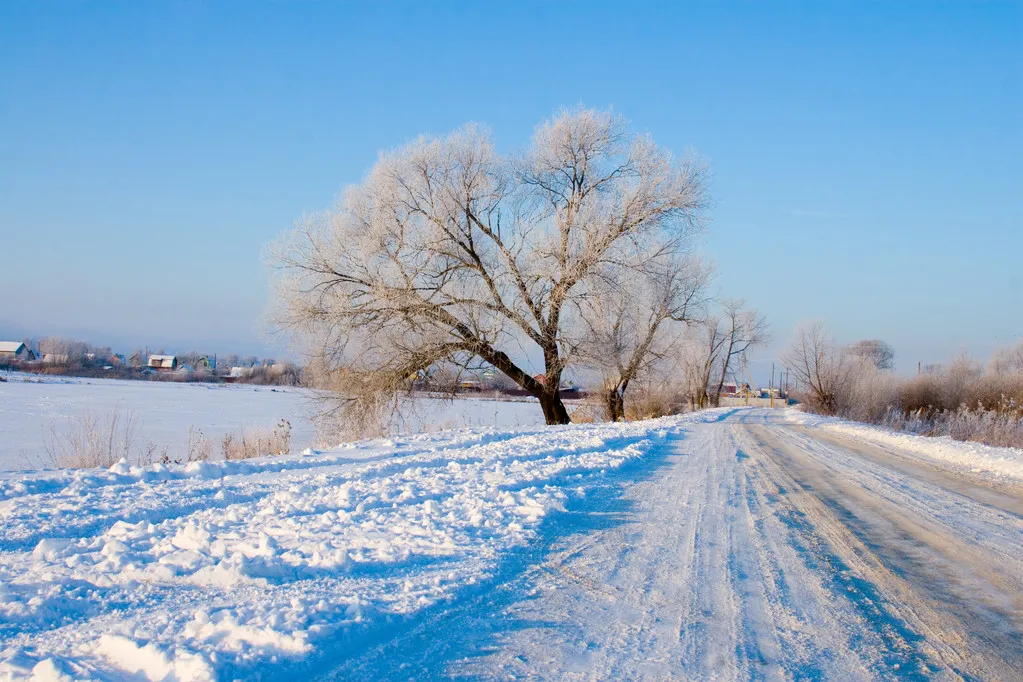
[[964, 456], [213, 570]]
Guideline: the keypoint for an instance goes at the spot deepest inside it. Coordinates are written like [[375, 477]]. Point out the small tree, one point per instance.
[[818, 366], [626, 321], [878, 353], [710, 351], [742, 328], [451, 254], [701, 353]]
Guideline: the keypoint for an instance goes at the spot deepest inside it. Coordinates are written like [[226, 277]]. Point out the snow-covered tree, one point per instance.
[[819, 366], [878, 353], [711, 349], [449, 253], [630, 320]]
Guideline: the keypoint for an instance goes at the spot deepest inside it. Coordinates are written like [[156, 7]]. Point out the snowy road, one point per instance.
[[755, 548]]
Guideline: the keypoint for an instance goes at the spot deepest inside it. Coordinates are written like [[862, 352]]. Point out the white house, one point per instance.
[[165, 362]]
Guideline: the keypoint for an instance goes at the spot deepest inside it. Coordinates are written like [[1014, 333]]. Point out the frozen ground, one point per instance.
[[30, 405], [732, 544]]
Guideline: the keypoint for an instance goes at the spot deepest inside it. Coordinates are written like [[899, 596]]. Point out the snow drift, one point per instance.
[[975, 458], [220, 569]]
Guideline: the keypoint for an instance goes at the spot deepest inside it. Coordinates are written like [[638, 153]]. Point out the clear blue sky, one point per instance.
[[866, 157]]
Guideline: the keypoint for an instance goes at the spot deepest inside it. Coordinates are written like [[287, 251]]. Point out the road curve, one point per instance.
[[752, 549]]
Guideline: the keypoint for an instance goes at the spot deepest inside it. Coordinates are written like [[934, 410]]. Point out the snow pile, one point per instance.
[[215, 569], [964, 456]]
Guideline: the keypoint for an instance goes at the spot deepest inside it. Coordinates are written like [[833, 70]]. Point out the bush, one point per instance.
[[652, 404], [258, 442], [959, 402], [641, 402], [282, 374], [91, 441], [199, 446]]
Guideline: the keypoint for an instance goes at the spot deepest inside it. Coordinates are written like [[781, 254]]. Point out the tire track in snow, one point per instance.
[[757, 552], [938, 569]]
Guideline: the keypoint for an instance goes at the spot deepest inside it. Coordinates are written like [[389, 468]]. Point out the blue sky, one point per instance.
[[866, 157]]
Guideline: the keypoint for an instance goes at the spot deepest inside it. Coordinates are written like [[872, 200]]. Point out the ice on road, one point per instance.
[[754, 549]]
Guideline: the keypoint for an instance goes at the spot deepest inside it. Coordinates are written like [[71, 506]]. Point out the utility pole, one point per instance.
[[772, 385], [749, 379], [746, 372]]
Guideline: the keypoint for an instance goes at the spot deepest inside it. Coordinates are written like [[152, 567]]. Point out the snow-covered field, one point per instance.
[[30, 406], [257, 568], [974, 458]]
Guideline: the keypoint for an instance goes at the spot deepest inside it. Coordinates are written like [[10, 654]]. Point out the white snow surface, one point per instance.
[[975, 458], [231, 569], [33, 405]]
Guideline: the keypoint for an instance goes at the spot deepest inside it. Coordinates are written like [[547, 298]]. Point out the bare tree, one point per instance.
[[742, 328], [451, 254], [819, 366], [700, 355], [711, 349], [878, 353], [626, 321]]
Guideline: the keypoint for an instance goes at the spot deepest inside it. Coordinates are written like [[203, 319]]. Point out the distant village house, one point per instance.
[[163, 362], [15, 350]]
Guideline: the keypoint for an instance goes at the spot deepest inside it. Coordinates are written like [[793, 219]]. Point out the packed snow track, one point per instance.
[[726, 545], [754, 549]]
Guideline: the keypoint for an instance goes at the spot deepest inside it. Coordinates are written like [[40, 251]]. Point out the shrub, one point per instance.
[[652, 404], [90, 441], [281, 374], [199, 446], [959, 401], [258, 442]]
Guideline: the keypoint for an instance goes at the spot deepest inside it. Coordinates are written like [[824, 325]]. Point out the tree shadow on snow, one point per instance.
[[431, 644]]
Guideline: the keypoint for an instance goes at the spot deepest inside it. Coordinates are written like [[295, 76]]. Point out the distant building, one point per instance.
[[563, 387], [15, 350], [56, 358], [163, 362]]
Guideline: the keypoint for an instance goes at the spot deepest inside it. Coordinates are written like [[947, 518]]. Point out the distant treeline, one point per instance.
[[962, 399]]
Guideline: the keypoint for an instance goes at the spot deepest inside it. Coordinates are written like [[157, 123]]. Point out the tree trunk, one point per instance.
[[554, 411], [615, 402]]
